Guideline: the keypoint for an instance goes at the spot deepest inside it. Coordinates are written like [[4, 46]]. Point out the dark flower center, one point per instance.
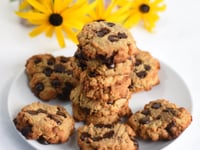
[[144, 8], [55, 19]]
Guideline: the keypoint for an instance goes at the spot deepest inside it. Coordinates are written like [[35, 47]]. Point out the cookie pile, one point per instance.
[[106, 69], [107, 52]]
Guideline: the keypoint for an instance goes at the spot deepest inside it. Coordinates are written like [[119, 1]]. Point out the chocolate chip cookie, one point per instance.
[[160, 120], [97, 111], [52, 77], [48, 124], [103, 67], [107, 137], [145, 73], [104, 88], [107, 41], [40, 63]]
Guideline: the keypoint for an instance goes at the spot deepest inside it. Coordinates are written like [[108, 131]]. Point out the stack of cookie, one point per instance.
[[106, 52]]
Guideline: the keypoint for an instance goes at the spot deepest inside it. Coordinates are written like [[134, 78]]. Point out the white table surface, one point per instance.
[[176, 41]]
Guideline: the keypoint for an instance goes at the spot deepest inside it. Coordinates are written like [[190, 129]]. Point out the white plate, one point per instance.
[[171, 87]]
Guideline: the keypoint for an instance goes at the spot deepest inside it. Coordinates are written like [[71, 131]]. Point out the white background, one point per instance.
[[176, 41]]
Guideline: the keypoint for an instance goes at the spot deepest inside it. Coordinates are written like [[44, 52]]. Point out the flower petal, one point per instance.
[[132, 20], [70, 33], [31, 15], [37, 5], [59, 36], [38, 30], [23, 5], [49, 31]]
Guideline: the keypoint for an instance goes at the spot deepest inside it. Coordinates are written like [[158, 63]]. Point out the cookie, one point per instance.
[[106, 68], [94, 111], [69, 66], [39, 63], [63, 85], [160, 120], [48, 88], [52, 77], [104, 88], [107, 137], [104, 116], [43, 87], [145, 74], [106, 41], [48, 124]]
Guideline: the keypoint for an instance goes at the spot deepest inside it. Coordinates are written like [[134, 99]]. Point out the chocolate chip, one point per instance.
[[141, 74], [138, 62], [170, 126], [110, 24], [110, 102], [103, 125], [37, 60], [85, 110], [65, 95], [113, 38], [55, 118], [56, 83], [39, 87], [63, 59], [92, 74], [26, 130], [51, 61], [79, 55], [66, 91], [48, 71], [122, 35], [69, 72], [82, 65], [131, 85], [111, 66], [170, 110], [147, 67], [158, 117], [102, 32], [98, 138], [156, 105], [61, 114], [81, 60], [35, 112], [146, 112], [85, 136], [101, 57], [59, 68], [144, 120], [109, 62], [108, 134], [42, 140]]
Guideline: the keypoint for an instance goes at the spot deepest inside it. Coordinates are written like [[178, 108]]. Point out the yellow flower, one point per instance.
[[57, 16], [24, 5], [145, 11], [108, 12]]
